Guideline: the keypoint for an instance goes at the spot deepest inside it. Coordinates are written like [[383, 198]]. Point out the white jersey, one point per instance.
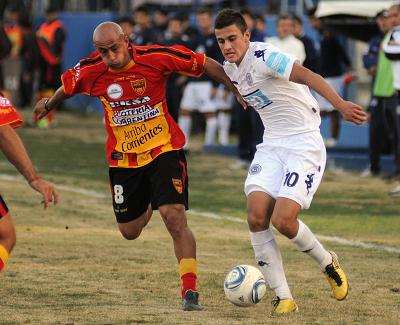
[[391, 47], [262, 78]]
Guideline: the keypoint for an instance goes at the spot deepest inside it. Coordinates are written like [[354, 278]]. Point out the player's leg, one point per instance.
[[131, 200], [169, 188], [211, 128], [7, 234], [305, 158], [264, 178], [188, 105]]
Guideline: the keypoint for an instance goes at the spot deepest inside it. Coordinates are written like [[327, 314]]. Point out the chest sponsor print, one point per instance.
[[257, 99]]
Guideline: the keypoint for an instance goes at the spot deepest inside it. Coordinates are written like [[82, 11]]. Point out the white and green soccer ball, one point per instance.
[[245, 286]]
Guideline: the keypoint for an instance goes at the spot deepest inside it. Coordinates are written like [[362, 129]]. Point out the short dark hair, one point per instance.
[[228, 17], [298, 19]]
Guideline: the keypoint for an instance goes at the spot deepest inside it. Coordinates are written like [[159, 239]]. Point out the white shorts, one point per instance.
[[197, 97], [337, 84], [291, 167]]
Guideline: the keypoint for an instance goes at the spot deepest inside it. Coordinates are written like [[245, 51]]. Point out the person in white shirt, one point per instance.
[[286, 41], [289, 163]]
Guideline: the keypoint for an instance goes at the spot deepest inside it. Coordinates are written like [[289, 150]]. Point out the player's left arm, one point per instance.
[[14, 150], [45, 105], [350, 111], [216, 71]]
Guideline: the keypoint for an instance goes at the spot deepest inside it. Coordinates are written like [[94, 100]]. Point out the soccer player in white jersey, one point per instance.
[[289, 163]]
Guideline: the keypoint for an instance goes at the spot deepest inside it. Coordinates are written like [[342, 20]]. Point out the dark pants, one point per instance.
[[383, 132], [250, 131]]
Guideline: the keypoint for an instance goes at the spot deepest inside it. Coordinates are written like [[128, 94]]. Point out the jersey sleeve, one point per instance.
[[8, 114], [184, 61], [80, 78], [272, 62]]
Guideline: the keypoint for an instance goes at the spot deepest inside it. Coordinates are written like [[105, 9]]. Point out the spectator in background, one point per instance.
[[50, 39], [200, 93], [144, 32], [13, 30], [286, 41], [383, 100], [5, 49], [391, 47], [255, 34], [334, 62], [176, 82], [160, 23], [260, 24], [128, 27], [311, 60], [29, 61]]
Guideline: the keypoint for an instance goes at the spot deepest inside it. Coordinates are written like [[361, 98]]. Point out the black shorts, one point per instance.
[[3, 208], [163, 181]]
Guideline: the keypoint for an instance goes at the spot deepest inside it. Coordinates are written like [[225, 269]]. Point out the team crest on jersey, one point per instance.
[[139, 86], [255, 169], [178, 185], [249, 79], [114, 91]]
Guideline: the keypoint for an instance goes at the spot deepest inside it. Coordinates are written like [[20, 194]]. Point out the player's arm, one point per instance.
[[14, 150], [216, 71], [45, 105], [350, 111]]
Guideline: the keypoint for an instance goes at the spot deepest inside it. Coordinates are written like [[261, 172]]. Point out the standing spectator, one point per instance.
[[392, 50], [383, 100], [160, 24], [311, 60], [50, 39], [260, 24], [333, 63], [128, 27], [286, 41], [200, 93], [5, 49], [144, 32], [13, 31]]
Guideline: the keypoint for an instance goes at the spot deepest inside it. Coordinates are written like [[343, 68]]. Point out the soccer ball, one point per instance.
[[244, 286]]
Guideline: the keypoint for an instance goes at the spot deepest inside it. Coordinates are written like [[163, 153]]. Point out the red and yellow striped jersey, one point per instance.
[[8, 114], [138, 123]]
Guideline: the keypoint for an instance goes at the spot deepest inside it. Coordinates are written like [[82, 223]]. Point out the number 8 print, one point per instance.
[[118, 191]]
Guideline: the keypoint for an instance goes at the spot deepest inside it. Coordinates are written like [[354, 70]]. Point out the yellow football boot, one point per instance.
[[283, 306], [337, 279]]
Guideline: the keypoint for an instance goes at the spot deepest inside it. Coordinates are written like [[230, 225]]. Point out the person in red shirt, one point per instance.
[[14, 150], [144, 145]]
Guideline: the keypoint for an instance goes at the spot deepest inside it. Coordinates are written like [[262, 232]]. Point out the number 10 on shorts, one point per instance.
[[291, 179], [118, 194]]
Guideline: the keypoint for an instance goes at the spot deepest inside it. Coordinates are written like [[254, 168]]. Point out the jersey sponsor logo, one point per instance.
[[195, 65], [178, 185], [135, 115], [255, 169], [129, 102], [257, 99], [259, 54], [139, 135], [139, 86], [4, 102], [114, 91]]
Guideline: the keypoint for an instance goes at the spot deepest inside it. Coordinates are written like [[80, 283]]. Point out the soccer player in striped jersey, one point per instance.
[[14, 150], [288, 165], [147, 166]]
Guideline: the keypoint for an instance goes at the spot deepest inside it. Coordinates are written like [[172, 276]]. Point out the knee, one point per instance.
[[130, 234], [174, 218], [257, 221], [284, 224]]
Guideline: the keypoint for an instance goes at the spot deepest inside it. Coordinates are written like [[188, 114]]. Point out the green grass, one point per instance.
[[71, 265]]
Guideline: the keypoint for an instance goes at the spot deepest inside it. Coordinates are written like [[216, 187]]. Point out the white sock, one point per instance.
[[269, 260], [211, 130], [185, 123], [224, 123], [306, 242]]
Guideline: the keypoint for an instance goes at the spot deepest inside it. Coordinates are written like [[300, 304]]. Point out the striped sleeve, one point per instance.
[[8, 113]]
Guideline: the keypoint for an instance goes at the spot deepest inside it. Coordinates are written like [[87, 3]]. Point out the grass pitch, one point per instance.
[[71, 265]]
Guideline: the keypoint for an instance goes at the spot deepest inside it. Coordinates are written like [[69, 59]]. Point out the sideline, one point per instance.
[[210, 215]]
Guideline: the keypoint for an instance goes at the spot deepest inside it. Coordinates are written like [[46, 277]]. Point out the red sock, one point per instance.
[[188, 282], [1, 265]]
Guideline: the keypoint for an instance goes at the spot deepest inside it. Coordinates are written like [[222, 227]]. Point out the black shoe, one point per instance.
[[191, 301]]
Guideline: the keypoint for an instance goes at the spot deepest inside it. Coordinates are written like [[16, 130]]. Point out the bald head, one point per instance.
[[112, 44], [107, 32]]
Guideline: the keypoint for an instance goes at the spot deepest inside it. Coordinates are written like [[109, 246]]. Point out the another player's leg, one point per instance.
[[7, 234], [284, 219], [260, 206], [185, 251], [211, 128]]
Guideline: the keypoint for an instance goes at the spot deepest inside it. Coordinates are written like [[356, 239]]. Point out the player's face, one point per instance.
[[114, 51], [233, 43], [394, 16]]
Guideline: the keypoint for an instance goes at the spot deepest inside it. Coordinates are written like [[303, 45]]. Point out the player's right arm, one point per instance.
[[45, 105]]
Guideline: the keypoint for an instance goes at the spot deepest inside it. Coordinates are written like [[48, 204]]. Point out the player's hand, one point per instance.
[[352, 112], [47, 190], [40, 110], [241, 101]]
